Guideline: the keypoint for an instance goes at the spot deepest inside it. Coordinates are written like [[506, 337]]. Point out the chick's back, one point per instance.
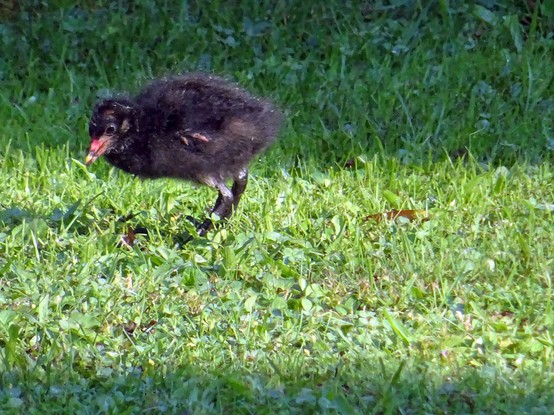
[[237, 124], [200, 102]]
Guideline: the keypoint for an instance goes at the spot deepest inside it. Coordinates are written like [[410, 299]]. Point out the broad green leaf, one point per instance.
[[398, 328]]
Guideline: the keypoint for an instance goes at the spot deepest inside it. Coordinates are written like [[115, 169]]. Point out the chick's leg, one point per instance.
[[239, 184], [223, 206]]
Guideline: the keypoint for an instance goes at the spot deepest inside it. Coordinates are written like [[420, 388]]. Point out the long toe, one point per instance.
[[194, 221], [204, 227]]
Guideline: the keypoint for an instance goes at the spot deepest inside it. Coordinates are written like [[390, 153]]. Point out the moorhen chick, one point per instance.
[[194, 127]]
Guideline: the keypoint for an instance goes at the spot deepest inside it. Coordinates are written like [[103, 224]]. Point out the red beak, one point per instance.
[[98, 146]]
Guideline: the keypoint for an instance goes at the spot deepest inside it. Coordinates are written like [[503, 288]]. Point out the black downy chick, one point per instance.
[[194, 127]]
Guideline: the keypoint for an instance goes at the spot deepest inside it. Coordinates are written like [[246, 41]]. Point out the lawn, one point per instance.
[[311, 299]]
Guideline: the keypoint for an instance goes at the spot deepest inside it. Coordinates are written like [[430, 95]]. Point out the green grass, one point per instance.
[[300, 303]]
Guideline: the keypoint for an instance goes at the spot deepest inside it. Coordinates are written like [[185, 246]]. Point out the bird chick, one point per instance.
[[194, 127]]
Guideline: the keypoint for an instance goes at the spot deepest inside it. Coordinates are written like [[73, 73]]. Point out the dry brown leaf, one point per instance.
[[410, 214], [128, 240], [130, 327]]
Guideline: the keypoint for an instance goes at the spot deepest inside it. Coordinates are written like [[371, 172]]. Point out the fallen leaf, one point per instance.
[[150, 324], [410, 214], [128, 240], [130, 327]]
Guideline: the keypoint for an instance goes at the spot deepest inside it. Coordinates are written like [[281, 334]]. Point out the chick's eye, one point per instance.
[[110, 129]]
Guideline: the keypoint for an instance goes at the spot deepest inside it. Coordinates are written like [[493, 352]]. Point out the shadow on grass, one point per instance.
[[13, 217], [361, 386]]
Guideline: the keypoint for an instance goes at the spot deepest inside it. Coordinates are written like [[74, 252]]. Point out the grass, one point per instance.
[[301, 303]]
